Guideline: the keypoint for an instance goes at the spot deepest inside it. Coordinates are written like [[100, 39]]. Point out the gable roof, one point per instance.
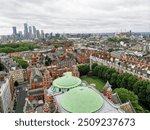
[[116, 99], [35, 72], [127, 107], [28, 107], [107, 86]]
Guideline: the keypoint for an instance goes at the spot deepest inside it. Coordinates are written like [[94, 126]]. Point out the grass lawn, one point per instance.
[[99, 83]]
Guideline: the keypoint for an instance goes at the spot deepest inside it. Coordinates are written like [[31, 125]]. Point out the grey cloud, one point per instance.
[[75, 15]]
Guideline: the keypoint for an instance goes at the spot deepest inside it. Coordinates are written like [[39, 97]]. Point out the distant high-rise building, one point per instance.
[[47, 35], [20, 34], [42, 34], [38, 34], [34, 32], [25, 31], [14, 30], [57, 35], [30, 32], [51, 34]]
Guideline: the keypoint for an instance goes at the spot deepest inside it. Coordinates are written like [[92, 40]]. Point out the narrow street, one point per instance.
[[21, 95]]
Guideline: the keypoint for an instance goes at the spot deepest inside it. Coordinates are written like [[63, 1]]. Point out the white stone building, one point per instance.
[[5, 96], [18, 75]]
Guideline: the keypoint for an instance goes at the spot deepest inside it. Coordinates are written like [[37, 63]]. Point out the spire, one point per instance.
[[46, 108], [28, 106], [107, 91], [107, 87]]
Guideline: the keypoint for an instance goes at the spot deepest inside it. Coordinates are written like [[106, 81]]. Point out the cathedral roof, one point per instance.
[[81, 100], [67, 81]]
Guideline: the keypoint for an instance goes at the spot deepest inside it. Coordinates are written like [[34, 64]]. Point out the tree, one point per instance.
[[126, 96], [113, 80], [131, 81], [148, 95], [141, 88], [17, 47], [84, 69], [111, 49], [96, 70], [101, 72], [119, 80], [48, 61], [108, 73], [125, 80], [94, 65], [115, 39], [24, 64]]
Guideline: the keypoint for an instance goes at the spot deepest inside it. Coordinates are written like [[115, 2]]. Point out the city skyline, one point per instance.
[[76, 16]]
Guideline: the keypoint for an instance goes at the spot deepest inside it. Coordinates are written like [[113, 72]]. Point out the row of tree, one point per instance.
[[115, 39], [127, 95], [122, 80], [84, 69], [17, 47], [24, 64]]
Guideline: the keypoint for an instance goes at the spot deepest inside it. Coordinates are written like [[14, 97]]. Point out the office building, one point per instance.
[[30, 32], [42, 34], [14, 30], [25, 31], [38, 34], [20, 34], [34, 32]]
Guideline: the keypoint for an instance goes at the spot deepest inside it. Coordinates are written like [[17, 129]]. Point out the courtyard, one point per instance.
[[94, 80]]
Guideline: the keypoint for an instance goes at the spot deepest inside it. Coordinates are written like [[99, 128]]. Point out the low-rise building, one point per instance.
[[68, 94], [18, 75], [5, 96]]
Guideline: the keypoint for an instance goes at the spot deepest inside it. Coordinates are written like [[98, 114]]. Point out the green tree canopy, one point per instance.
[[94, 65], [84, 69], [17, 47], [126, 95], [24, 64], [117, 79], [48, 61]]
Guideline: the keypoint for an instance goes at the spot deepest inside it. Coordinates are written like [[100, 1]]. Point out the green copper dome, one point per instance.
[[67, 81], [81, 100]]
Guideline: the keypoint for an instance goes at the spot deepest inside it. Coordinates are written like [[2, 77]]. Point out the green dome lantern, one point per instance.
[[67, 81]]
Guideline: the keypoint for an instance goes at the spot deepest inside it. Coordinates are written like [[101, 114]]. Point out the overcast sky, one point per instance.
[[75, 15]]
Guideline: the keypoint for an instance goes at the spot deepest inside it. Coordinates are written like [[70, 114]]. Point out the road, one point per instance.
[[21, 97]]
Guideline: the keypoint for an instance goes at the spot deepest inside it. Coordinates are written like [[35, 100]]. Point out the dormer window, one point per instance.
[[35, 80]]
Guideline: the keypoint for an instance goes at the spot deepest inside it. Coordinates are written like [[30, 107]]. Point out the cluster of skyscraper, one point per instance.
[[29, 33]]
